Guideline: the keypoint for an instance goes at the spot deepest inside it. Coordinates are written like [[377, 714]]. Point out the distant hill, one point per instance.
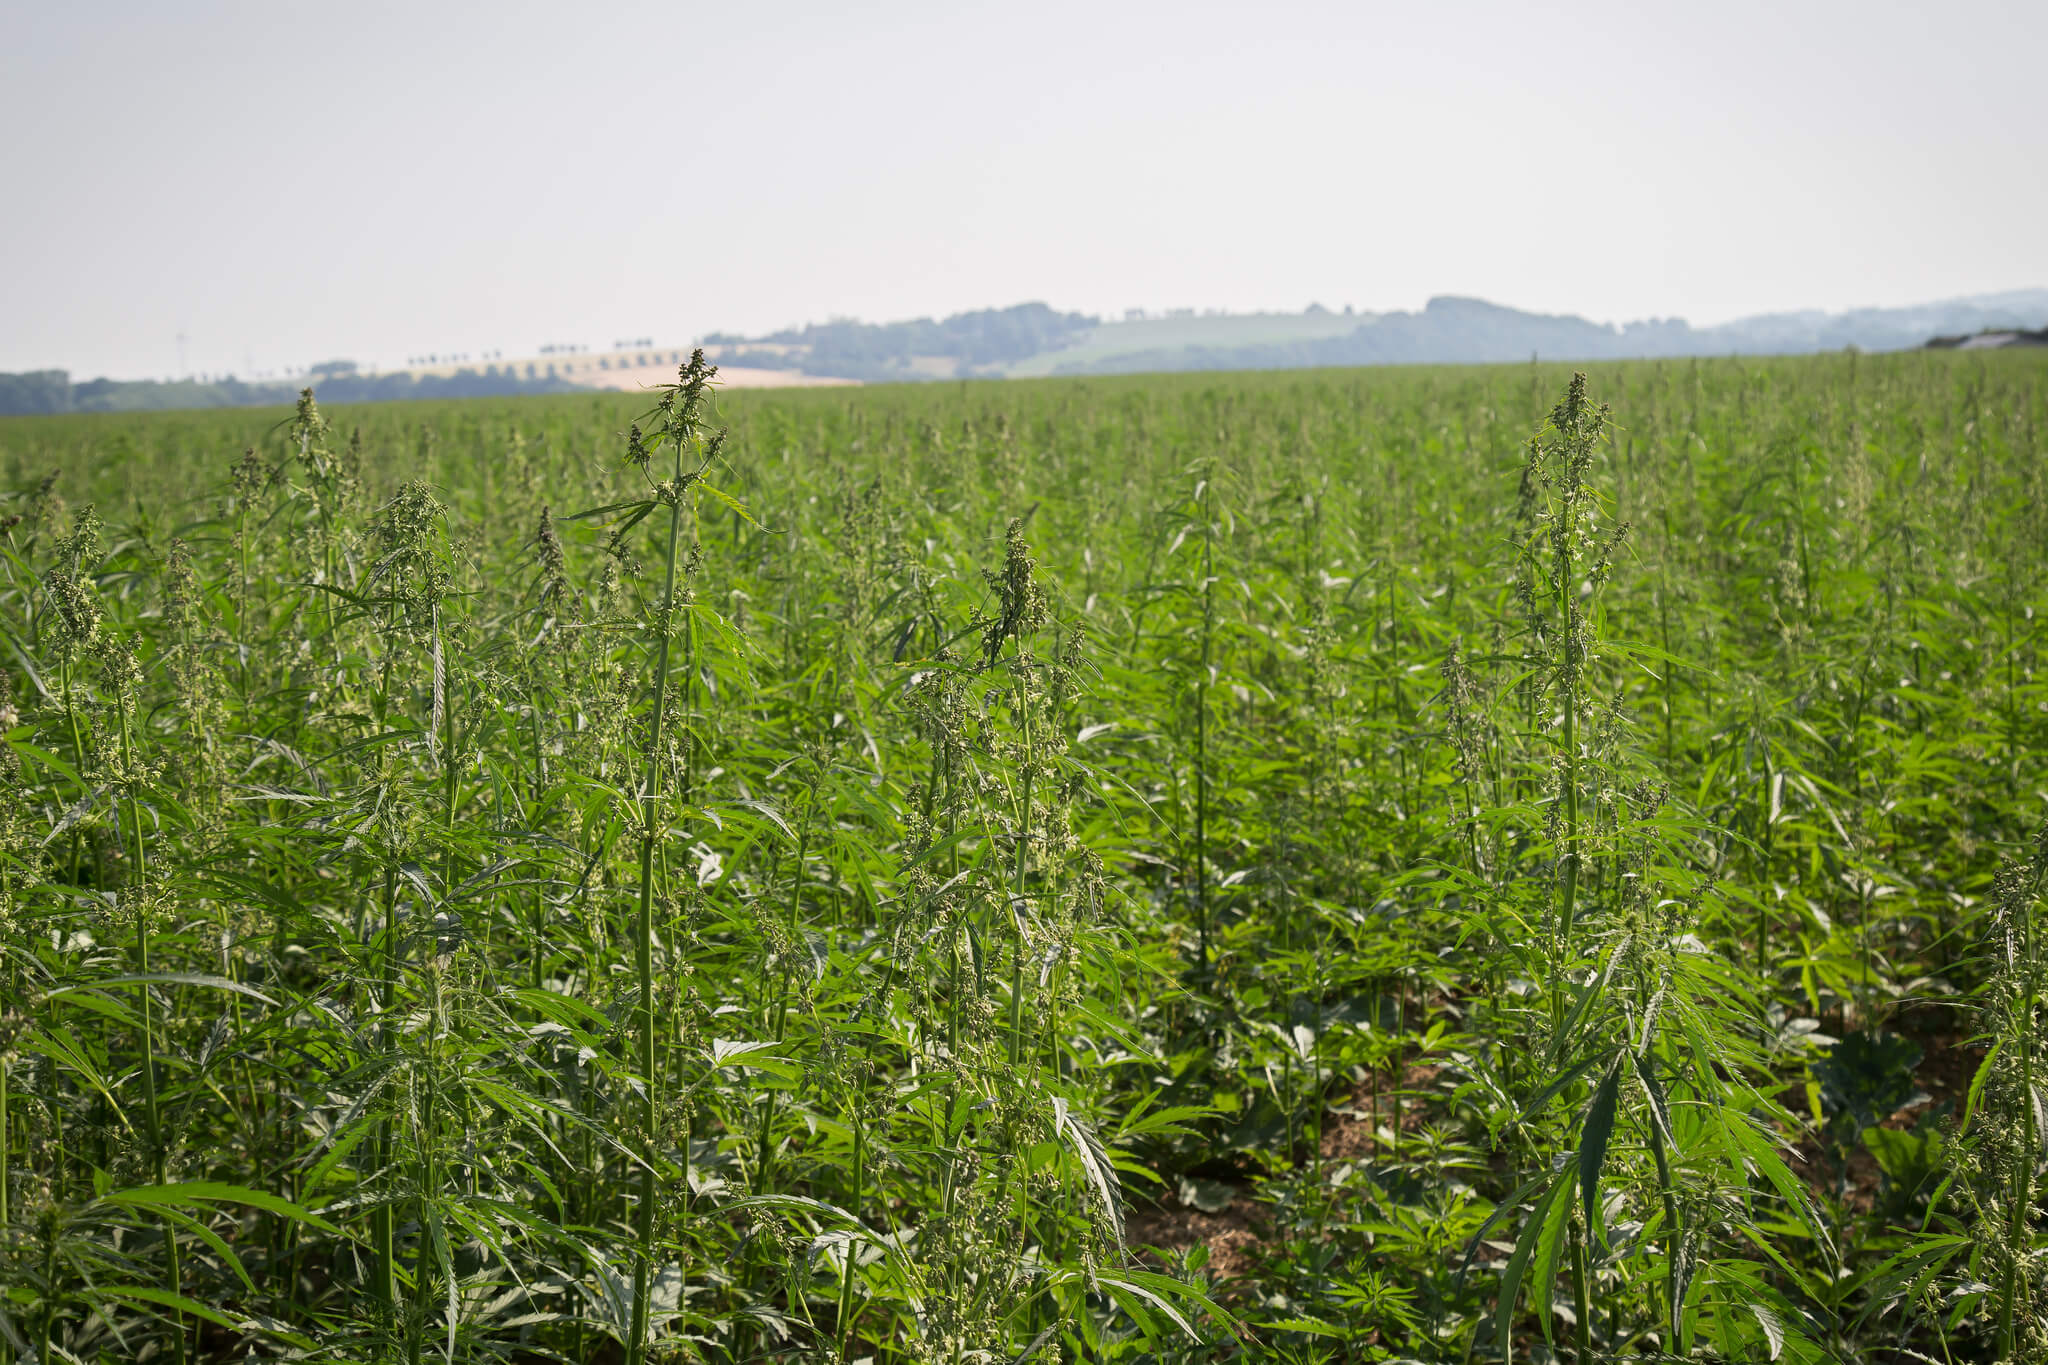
[[1466, 331], [1184, 329], [1031, 339], [987, 342], [52, 391]]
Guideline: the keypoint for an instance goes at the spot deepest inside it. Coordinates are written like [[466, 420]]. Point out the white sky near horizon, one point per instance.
[[283, 183]]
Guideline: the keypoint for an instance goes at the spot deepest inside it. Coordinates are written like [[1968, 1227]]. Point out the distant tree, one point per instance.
[[38, 391]]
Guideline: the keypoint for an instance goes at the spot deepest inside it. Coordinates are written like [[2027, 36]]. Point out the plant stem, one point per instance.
[[1202, 730], [383, 1224], [1674, 1230], [153, 1116], [851, 1253], [1024, 705], [643, 947], [2022, 1200], [1582, 1330]]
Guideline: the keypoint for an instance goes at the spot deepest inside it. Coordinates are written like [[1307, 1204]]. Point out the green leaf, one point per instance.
[[1031, 1347], [1500, 1211], [1908, 1159], [163, 1298], [88, 998], [1094, 1160], [1593, 1139], [200, 1193], [1688, 1258], [1119, 1287], [1760, 1154], [1165, 1122], [1312, 1326], [211, 1238], [1550, 1245], [1660, 1109], [1592, 993], [1900, 1278], [340, 1149], [1518, 1267], [1774, 1331], [734, 504], [1557, 1084], [61, 1045], [217, 983], [75, 814], [760, 1056], [1976, 1091], [642, 505]]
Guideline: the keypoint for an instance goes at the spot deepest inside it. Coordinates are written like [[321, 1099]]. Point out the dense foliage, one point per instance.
[[985, 339], [1345, 866], [1451, 330], [46, 392]]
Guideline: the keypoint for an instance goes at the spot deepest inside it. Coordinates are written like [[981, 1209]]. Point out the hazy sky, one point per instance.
[[284, 183]]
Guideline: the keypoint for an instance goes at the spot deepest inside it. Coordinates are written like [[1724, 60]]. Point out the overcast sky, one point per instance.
[[284, 183]]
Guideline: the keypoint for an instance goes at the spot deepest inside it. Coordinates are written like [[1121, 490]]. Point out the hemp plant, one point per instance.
[[1998, 1150], [1646, 1032], [679, 430]]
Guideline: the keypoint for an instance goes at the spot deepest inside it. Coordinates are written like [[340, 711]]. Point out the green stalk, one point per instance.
[[1674, 1234], [6, 1149], [1664, 623], [77, 751], [1566, 588], [49, 1315], [1202, 733], [764, 1154], [1571, 742], [6, 1129], [538, 947], [1763, 912], [2022, 1201], [383, 1225], [1017, 888], [429, 1178], [845, 1323], [451, 774], [242, 600], [1582, 1330], [643, 947], [151, 1111]]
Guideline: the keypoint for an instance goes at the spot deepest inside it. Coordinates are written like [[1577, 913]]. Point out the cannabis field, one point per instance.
[[1403, 865]]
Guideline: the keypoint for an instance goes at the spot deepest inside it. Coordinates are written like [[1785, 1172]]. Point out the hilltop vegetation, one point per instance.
[[51, 392], [1449, 331], [1032, 339], [1417, 864], [978, 343]]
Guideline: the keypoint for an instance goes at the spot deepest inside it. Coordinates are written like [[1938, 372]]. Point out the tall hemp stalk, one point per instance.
[[2000, 1160], [1557, 488], [1648, 1031], [1205, 508], [680, 428]]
